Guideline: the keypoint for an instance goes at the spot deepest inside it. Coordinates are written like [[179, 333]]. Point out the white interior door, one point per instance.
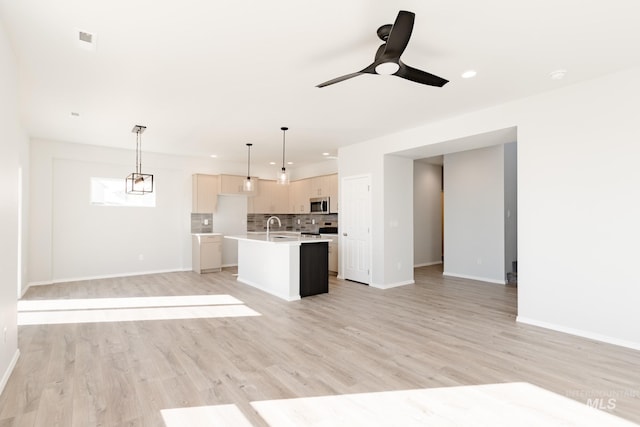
[[355, 223]]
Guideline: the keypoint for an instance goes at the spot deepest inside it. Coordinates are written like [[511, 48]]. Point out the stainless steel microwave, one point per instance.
[[319, 205]]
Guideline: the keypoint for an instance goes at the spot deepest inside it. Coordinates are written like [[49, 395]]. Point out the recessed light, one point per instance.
[[289, 163], [272, 163], [469, 74], [213, 156], [558, 74], [325, 154]]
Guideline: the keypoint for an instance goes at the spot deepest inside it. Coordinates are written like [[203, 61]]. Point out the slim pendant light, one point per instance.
[[283, 175], [138, 182], [249, 184]]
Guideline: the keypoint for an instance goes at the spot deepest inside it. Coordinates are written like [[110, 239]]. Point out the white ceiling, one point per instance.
[[208, 76]]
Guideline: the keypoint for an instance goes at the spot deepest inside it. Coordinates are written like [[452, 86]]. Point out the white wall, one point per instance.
[[231, 217], [325, 167], [474, 214], [71, 240], [13, 146], [97, 241], [427, 214], [398, 265], [578, 200]]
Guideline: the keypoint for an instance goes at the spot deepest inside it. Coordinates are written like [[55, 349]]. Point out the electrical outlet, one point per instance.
[[206, 222]]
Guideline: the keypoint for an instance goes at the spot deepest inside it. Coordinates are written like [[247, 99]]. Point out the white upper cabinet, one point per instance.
[[204, 193], [272, 198], [299, 194], [233, 185], [325, 186]]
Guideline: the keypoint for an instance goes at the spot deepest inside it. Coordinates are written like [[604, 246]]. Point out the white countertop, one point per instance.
[[279, 238], [206, 234]]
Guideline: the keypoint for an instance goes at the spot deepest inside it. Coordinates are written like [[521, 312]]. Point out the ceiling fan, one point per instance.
[[387, 60]]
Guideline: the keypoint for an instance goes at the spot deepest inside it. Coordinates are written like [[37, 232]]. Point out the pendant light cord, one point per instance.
[[138, 154], [249, 162], [284, 130]]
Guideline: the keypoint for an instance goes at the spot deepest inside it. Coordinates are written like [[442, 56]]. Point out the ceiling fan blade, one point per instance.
[[340, 79], [371, 69], [400, 34], [419, 76]]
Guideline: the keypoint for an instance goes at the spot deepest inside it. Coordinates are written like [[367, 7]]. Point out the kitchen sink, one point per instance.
[[278, 237]]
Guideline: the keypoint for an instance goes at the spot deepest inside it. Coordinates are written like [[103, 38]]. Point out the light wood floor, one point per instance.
[[356, 339]]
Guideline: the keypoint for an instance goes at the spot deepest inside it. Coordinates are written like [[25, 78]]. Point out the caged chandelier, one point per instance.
[[138, 182]]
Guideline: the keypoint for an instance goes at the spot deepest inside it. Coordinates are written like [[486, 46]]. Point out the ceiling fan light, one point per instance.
[[387, 68], [469, 74]]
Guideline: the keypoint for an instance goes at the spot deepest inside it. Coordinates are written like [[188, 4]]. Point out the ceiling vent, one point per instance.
[[86, 40]]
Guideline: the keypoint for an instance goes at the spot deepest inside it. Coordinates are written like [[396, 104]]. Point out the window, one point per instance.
[[111, 192]]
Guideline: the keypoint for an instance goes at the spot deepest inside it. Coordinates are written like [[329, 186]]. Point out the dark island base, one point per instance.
[[314, 269]]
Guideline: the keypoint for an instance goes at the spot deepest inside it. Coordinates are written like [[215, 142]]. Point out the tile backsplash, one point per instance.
[[291, 222], [201, 223]]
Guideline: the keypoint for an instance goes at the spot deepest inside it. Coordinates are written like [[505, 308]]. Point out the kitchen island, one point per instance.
[[289, 266]]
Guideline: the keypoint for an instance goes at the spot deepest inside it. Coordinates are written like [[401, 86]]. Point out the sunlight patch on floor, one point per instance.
[[132, 302], [96, 310], [495, 405], [510, 404], [219, 415], [133, 314]]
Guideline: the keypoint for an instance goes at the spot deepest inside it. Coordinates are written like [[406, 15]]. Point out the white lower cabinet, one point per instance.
[[207, 252], [333, 252]]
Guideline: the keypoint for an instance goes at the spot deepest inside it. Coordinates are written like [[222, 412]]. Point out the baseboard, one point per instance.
[[24, 290], [391, 285], [7, 373], [478, 278], [105, 276], [42, 283], [579, 332], [229, 265], [427, 264]]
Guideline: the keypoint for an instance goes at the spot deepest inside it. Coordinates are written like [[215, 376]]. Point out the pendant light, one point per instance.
[[138, 182], [249, 183], [283, 175]]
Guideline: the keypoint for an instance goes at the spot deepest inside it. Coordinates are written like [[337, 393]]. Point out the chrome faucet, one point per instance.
[[269, 222]]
